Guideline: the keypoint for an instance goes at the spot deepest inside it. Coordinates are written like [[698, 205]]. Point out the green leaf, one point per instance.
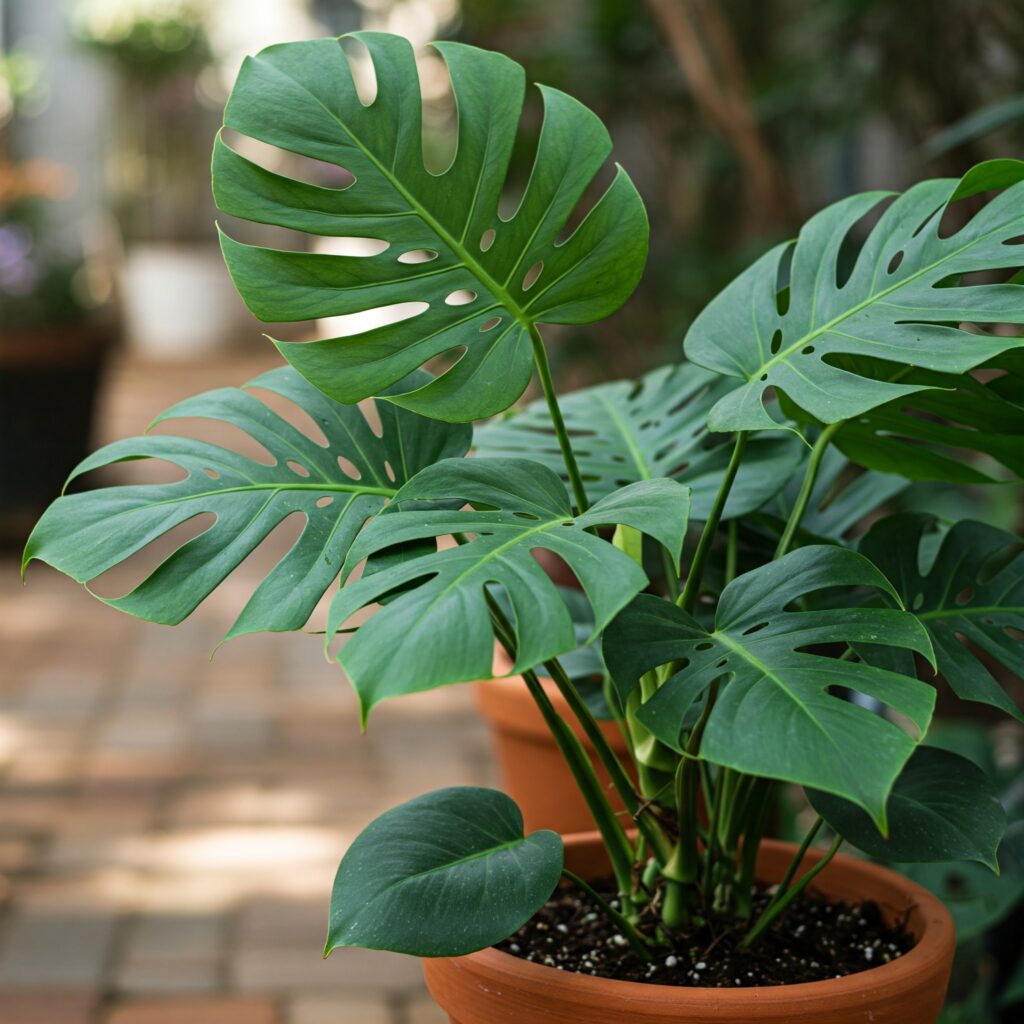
[[85, 534], [900, 308], [840, 499], [627, 431], [300, 97], [443, 875], [926, 436], [970, 598], [778, 714], [942, 808], [438, 630]]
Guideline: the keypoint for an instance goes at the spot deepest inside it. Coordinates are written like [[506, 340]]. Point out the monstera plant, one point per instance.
[[705, 511]]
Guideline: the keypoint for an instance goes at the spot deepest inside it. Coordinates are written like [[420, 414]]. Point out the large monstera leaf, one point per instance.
[[85, 534], [970, 598], [836, 350], [435, 627], [487, 280], [780, 711], [627, 431]]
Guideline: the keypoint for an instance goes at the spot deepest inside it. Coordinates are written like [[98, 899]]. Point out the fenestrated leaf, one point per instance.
[[85, 534], [942, 808], [900, 308], [928, 435], [965, 598], [443, 875], [778, 713], [301, 97], [627, 431], [438, 631]]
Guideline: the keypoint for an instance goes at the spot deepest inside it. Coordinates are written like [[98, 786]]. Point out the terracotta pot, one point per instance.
[[492, 987], [532, 770]]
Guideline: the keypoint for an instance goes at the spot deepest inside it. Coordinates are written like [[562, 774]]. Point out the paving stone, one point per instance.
[[177, 936], [423, 1010], [339, 1008], [197, 1011], [168, 976], [54, 950], [48, 1007], [355, 970]]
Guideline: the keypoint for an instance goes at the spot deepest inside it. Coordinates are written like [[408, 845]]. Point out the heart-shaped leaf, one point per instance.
[[781, 712], [487, 281], [443, 875], [942, 808], [437, 630], [85, 534], [969, 598], [627, 431], [900, 307]]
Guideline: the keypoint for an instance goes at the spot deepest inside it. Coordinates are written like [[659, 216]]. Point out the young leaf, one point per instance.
[[778, 713], [85, 534], [448, 246], [970, 598], [894, 310], [627, 431], [443, 875], [942, 808], [438, 630]]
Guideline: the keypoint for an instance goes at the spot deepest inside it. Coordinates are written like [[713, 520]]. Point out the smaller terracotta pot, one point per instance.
[[531, 768], [491, 987]]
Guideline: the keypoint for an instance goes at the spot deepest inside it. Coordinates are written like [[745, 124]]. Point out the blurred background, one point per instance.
[[737, 120]]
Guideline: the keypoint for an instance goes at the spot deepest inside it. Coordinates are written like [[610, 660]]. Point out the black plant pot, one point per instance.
[[49, 379]]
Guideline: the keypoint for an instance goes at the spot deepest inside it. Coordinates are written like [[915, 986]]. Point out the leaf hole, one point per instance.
[[965, 595], [525, 515], [364, 76], [1014, 633], [390, 471], [298, 468], [324, 501], [722, 663], [462, 297], [894, 263], [807, 350], [348, 467], [917, 603], [704, 645], [764, 377], [489, 324], [418, 256], [350, 245], [487, 239], [776, 342], [212, 473], [750, 630], [532, 274]]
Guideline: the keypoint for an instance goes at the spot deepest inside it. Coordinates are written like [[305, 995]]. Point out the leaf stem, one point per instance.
[[629, 930], [688, 599], [782, 900], [540, 358], [806, 488], [812, 834]]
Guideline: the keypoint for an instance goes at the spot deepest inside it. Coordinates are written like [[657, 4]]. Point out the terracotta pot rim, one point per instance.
[[932, 946]]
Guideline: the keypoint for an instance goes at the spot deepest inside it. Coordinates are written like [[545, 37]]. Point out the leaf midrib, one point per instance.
[[628, 438], [421, 211], [783, 355]]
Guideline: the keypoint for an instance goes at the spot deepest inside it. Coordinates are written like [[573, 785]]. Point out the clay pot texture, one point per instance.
[[491, 987], [530, 766]]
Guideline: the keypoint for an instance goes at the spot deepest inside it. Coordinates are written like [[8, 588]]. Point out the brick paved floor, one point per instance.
[[170, 825]]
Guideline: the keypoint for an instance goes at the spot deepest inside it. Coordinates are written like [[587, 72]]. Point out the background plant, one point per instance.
[[781, 654]]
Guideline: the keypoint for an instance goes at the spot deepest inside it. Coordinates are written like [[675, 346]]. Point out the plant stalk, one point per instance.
[[806, 488], [540, 358], [688, 599], [780, 902]]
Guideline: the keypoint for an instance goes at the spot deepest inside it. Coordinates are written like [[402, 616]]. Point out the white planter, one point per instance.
[[179, 302]]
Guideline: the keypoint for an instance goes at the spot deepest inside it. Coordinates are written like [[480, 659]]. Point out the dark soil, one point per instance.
[[814, 940]]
